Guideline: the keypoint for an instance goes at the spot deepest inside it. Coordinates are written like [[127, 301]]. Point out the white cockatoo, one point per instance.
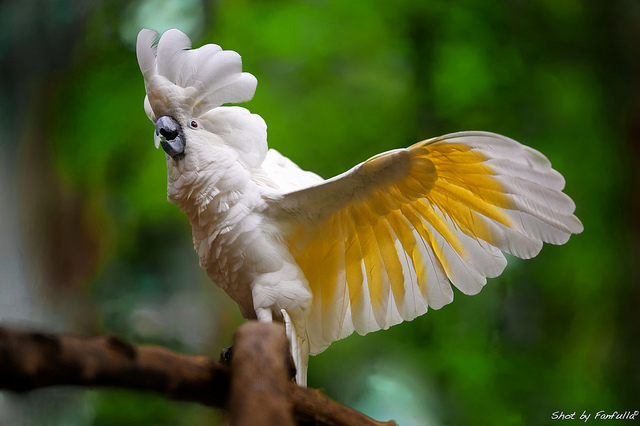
[[365, 250]]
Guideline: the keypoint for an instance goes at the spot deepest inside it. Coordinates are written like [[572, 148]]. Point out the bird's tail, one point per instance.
[[299, 349]]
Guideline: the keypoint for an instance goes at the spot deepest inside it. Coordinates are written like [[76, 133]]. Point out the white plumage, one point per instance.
[[370, 248]]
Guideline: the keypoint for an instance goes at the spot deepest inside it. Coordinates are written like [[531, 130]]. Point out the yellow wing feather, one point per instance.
[[437, 206]]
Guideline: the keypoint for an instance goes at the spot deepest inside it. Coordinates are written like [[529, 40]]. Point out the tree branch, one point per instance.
[[260, 379], [257, 377]]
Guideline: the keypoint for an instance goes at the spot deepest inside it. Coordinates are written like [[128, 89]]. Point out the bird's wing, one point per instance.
[[382, 242], [286, 174]]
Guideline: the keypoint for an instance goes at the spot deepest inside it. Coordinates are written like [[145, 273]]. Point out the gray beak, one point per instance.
[[171, 136]]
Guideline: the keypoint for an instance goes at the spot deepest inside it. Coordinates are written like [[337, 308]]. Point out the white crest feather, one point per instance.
[[146, 52], [172, 54], [202, 78]]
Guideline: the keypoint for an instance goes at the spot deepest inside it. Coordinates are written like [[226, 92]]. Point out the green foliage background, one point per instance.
[[101, 250]]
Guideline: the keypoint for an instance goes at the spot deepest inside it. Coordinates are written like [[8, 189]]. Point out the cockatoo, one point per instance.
[[362, 251]]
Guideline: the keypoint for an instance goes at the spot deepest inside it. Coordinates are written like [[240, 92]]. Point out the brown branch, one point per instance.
[[258, 375], [34, 360]]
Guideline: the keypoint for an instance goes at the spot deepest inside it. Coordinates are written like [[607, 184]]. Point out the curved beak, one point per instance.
[[170, 134]]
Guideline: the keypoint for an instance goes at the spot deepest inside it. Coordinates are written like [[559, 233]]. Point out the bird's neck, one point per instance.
[[206, 191], [216, 200]]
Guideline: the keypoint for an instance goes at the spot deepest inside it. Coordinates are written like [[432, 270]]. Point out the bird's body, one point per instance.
[[362, 251], [235, 243]]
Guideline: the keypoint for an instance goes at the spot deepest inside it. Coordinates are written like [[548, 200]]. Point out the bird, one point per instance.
[[365, 250]]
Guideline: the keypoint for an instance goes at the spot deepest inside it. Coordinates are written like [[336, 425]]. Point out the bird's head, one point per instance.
[[185, 90]]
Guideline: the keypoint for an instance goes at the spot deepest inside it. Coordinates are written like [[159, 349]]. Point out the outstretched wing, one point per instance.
[[382, 242]]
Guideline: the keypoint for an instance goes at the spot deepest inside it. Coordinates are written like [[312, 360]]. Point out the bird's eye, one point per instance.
[[194, 124]]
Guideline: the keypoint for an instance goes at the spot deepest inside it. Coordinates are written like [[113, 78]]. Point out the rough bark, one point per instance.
[[258, 379]]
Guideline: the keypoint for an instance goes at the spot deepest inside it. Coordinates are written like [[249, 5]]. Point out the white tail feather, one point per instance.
[[299, 350]]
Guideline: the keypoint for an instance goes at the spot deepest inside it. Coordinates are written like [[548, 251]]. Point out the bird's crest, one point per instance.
[[195, 81]]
